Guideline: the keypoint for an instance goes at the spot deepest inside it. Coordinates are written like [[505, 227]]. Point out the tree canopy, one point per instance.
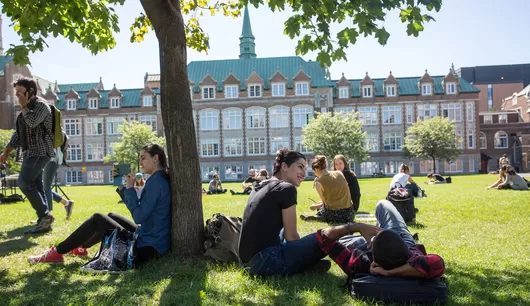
[[432, 138], [330, 135]]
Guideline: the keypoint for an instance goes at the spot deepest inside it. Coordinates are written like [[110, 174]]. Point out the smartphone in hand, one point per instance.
[[120, 171]]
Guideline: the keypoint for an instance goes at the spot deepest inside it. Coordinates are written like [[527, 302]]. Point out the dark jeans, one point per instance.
[[48, 178], [287, 258], [247, 191], [30, 183], [93, 230], [219, 191], [413, 189]]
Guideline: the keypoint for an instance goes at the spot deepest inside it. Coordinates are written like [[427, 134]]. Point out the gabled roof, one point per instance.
[[409, 86], [79, 87], [3, 61], [130, 98], [264, 67]]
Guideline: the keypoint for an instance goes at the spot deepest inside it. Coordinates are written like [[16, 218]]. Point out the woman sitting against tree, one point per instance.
[[152, 211], [335, 203], [269, 243], [340, 163]]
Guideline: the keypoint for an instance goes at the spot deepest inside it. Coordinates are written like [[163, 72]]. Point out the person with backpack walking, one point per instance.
[[33, 134]]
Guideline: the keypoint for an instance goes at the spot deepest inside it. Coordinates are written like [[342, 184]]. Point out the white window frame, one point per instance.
[[256, 118], [452, 111], [483, 141], [278, 89], [344, 110], [368, 91], [488, 119], [92, 103], [426, 165], [231, 92], [114, 124], [95, 177], [471, 143], [209, 147], [94, 152], [277, 143], [470, 112], [233, 172], [208, 92], [369, 167], [232, 119], [366, 115], [427, 111], [389, 111], [279, 117], [114, 102], [498, 140], [456, 166], [73, 177], [459, 138], [71, 104], [94, 126], [232, 147], [72, 127], [471, 165], [209, 119], [503, 118], [147, 101], [410, 113], [302, 88], [426, 90], [148, 120], [450, 88], [255, 90], [256, 146], [302, 115], [299, 145], [391, 91], [392, 141], [75, 150], [372, 142], [344, 92]]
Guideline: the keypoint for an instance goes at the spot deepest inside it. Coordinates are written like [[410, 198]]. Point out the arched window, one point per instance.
[[501, 140], [483, 141]]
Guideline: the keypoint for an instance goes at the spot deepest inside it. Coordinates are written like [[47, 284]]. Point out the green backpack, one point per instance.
[[57, 129], [221, 241]]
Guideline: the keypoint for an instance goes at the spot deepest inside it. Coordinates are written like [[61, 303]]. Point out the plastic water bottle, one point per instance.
[[420, 193]]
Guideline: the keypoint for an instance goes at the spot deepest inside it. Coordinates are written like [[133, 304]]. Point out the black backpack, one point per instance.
[[404, 203]]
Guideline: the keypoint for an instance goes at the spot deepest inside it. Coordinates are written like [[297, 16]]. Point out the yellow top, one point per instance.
[[336, 192]]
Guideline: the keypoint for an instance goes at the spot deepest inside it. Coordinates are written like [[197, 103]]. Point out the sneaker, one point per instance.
[[79, 251], [322, 266], [232, 191], [46, 221], [50, 256], [68, 207]]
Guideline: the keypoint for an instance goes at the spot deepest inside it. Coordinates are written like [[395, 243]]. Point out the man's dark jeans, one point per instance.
[[30, 183]]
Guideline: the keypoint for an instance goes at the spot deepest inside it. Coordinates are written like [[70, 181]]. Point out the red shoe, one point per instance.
[[79, 251], [50, 256]]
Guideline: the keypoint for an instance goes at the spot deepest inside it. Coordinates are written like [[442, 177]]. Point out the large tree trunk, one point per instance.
[[433, 164], [187, 216]]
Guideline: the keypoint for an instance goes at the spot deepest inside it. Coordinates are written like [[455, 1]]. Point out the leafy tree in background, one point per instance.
[[12, 165], [135, 136], [330, 135], [94, 23], [432, 138]]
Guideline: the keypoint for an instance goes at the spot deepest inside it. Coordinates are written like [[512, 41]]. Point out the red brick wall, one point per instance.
[[500, 91]]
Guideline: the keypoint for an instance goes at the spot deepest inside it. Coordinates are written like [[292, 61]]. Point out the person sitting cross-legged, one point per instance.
[[387, 249], [215, 186], [150, 212], [403, 179]]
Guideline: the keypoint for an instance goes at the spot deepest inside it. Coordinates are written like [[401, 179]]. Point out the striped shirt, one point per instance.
[[37, 121]]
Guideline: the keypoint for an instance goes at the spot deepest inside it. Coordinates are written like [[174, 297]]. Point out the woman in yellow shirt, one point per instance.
[[336, 204]]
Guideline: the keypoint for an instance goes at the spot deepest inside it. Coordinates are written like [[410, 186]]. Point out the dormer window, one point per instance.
[[231, 91], [71, 104], [278, 90], [254, 90], [367, 92], [114, 102], [208, 92], [426, 89], [450, 88], [391, 91], [92, 103], [343, 92], [302, 89], [147, 101]]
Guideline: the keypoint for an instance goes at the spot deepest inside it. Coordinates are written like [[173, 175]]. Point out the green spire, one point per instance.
[[247, 46]]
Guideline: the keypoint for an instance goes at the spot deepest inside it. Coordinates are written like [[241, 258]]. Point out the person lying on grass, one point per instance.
[[335, 203], [387, 249], [151, 210], [252, 181], [269, 243]]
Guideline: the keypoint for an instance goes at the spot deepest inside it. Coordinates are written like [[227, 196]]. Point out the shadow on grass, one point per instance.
[[15, 241], [484, 286], [416, 225]]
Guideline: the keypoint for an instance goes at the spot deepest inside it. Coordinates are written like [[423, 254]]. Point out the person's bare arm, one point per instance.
[[320, 191], [289, 224], [410, 180]]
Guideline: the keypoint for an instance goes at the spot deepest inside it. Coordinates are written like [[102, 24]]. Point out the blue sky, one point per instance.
[[466, 33]]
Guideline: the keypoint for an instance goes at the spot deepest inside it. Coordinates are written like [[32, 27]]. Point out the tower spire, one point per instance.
[[247, 46]]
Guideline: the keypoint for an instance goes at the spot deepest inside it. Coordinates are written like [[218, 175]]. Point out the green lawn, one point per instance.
[[483, 235]]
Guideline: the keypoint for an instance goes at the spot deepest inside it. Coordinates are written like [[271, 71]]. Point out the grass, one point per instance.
[[481, 234]]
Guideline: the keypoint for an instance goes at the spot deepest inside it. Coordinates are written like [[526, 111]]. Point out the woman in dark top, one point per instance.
[[269, 243], [340, 163]]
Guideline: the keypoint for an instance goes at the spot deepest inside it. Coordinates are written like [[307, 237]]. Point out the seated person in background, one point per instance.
[[435, 178], [335, 205], [340, 163], [251, 182], [215, 186], [512, 179], [387, 249], [502, 174], [269, 243], [403, 179], [151, 211], [503, 161], [139, 183]]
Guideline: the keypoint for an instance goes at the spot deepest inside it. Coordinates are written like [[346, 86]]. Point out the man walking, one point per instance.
[[33, 134]]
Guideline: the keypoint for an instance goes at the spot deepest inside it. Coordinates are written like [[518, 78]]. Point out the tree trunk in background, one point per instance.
[[433, 164], [186, 210]]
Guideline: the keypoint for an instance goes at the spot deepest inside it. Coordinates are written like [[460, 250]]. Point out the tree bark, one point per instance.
[[187, 221], [433, 164]]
